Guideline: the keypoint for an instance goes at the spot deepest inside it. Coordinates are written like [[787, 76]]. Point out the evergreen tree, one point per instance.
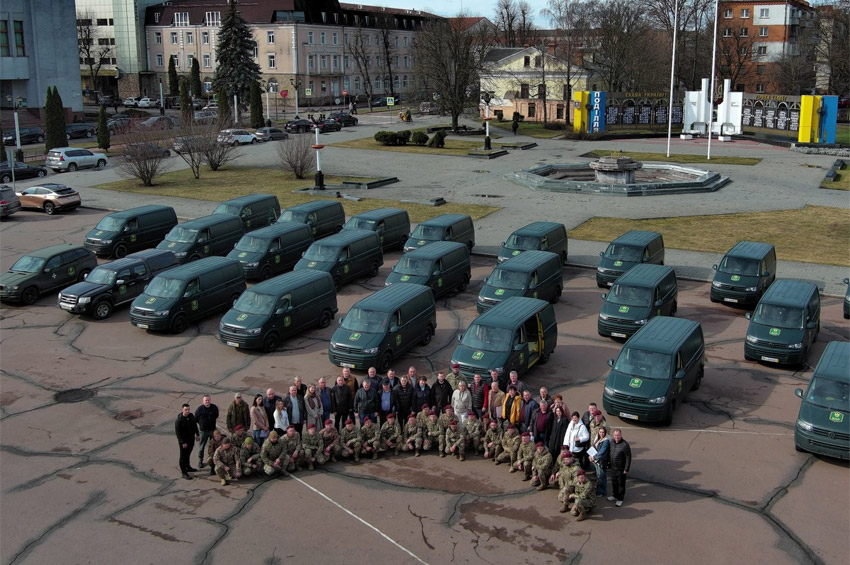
[[257, 120], [186, 112], [55, 135], [102, 130], [225, 111], [197, 88], [236, 70], [173, 85]]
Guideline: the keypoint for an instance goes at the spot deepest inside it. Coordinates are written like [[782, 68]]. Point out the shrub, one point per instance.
[[403, 137], [385, 137], [297, 155], [420, 138], [439, 139], [554, 125], [102, 131]]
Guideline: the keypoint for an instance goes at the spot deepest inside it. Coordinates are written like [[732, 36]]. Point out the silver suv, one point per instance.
[[73, 158]]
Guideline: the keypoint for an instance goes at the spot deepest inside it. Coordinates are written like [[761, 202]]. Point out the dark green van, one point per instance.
[[131, 230], [255, 210], [446, 227], [43, 270], [391, 224], [444, 266], [823, 424], [512, 336], [347, 255], [181, 295], [278, 308], [272, 250], [381, 327], [543, 236], [645, 291], [203, 237], [784, 324], [744, 273], [536, 274], [655, 369], [630, 249], [325, 217]]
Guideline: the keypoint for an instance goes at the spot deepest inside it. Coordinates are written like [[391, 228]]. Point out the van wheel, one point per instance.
[[675, 308], [337, 284], [83, 274], [401, 243], [120, 251], [193, 258], [463, 284], [102, 310], [385, 363], [544, 358], [179, 324], [266, 273], [271, 342], [29, 295], [668, 419], [557, 296], [563, 257], [700, 375], [325, 318], [373, 270], [429, 333]]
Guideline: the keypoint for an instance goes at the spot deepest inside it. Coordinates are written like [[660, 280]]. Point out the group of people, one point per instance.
[[316, 424]]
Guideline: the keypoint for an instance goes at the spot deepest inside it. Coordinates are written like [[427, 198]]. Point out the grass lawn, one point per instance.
[[842, 134], [841, 182], [453, 146], [676, 158], [531, 129], [231, 182], [819, 234]]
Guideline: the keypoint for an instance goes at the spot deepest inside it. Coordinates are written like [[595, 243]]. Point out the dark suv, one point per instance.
[[28, 135], [74, 131]]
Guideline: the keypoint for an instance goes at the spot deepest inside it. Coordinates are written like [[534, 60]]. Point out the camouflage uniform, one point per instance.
[[434, 434], [311, 447], [472, 428], [493, 436], [292, 446], [271, 452], [455, 380], [371, 438], [509, 447], [250, 456], [227, 457], [211, 447], [422, 419], [541, 466], [412, 437], [567, 478], [524, 457], [238, 440], [391, 434], [445, 418], [351, 442], [456, 438], [594, 427], [331, 446], [584, 498]]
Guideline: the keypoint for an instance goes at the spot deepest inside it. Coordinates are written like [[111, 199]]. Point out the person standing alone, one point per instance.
[[186, 430], [621, 462], [205, 415]]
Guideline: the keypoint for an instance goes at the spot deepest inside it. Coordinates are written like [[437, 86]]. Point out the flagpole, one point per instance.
[[711, 89], [672, 75]]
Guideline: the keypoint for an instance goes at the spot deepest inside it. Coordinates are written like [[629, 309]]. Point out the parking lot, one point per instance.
[[93, 472]]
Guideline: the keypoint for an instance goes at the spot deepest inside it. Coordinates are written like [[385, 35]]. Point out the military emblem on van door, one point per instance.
[[311, 264], [500, 291], [243, 254], [836, 417], [440, 282], [71, 271], [535, 294], [623, 309], [150, 300], [277, 258], [194, 305], [132, 238], [206, 248], [172, 244], [122, 289], [618, 263], [775, 331], [516, 252], [522, 357], [398, 339], [420, 242], [247, 223], [345, 269], [405, 278], [354, 337], [735, 278], [241, 317], [635, 383], [478, 355], [98, 232], [287, 321]]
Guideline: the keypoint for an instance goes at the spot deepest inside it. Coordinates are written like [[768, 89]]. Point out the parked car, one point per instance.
[[382, 100], [236, 137], [147, 149], [183, 143], [21, 171], [271, 134], [118, 125], [28, 135], [131, 102], [105, 100], [50, 197], [148, 102], [327, 125], [211, 106], [197, 103], [10, 203], [77, 131], [298, 126], [205, 116], [158, 122], [73, 158], [344, 118]]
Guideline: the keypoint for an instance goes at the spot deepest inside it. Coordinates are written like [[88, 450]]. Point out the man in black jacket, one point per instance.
[[441, 393], [205, 415], [186, 430], [621, 461], [404, 398], [342, 402]]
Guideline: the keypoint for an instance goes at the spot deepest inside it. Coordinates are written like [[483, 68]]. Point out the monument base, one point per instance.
[[685, 136]]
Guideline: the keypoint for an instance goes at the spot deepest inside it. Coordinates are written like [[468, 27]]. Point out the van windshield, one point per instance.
[[504, 278], [101, 275], [829, 393], [252, 244], [293, 216], [360, 224], [182, 235], [738, 266], [623, 252], [646, 364], [413, 266], [227, 209], [779, 316], [255, 303], [165, 288], [360, 320], [427, 232], [321, 253], [487, 338], [523, 242], [110, 224], [630, 295], [28, 264]]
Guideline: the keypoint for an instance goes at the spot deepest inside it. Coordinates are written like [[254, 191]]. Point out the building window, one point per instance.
[[347, 38], [205, 37], [159, 59], [406, 62], [743, 50], [310, 37], [367, 39], [102, 22], [189, 59], [174, 38], [346, 61], [541, 91], [395, 41], [760, 88], [156, 17], [311, 62], [745, 12], [335, 38], [745, 32], [213, 18], [395, 82], [272, 63], [157, 37], [761, 69], [190, 38], [206, 60], [379, 84], [404, 81], [5, 51], [357, 83], [532, 110], [335, 62], [395, 61], [727, 32], [324, 61], [176, 60], [727, 14], [18, 27], [526, 61], [523, 91], [368, 61], [181, 18], [762, 32], [538, 61], [256, 50], [270, 37], [762, 50], [406, 42], [559, 112], [310, 86], [324, 86], [764, 13], [322, 38]]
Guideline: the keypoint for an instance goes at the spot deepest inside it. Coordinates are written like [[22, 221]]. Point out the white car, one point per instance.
[[148, 102], [236, 137], [211, 106], [73, 158], [131, 102]]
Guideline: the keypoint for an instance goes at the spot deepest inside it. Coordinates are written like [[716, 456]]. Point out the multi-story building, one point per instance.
[[759, 38], [38, 49], [317, 48]]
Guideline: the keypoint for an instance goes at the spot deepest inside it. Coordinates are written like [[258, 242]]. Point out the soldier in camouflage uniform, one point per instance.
[[250, 456], [541, 465], [583, 499], [567, 475], [371, 438], [311, 446], [238, 437], [273, 457], [524, 456], [434, 434], [331, 445], [422, 416], [412, 435], [227, 461], [455, 440], [596, 422], [472, 427], [447, 416], [391, 434], [509, 447], [292, 447], [493, 441], [349, 436], [214, 443]]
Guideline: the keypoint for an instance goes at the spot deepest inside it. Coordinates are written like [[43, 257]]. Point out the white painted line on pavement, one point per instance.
[[364, 522]]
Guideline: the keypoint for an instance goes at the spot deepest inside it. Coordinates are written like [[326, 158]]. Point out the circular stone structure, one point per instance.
[[620, 176]]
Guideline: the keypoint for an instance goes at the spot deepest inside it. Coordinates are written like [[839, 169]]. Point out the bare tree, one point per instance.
[[359, 48], [193, 143], [736, 57], [387, 45], [297, 155], [526, 32], [94, 49], [621, 43], [832, 49], [506, 17], [143, 157]]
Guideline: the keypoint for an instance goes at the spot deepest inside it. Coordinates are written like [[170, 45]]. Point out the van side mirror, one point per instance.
[[659, 303], [519, 347], [846, 281], [798, 392], [339, 321], [437, 272], [610, 361], [503, 244], [714, 267], [459, 336], [748, 316], [811, 325], [602, 254], [766, 274], [119, 281], [604, 295], [680, 374], [280, 311], [394, 329]]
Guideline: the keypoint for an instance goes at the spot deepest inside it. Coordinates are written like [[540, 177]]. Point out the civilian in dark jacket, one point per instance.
[[621, 462], [421, 394], [269, 401], [387, 401], [186, 430], [324, 394], [479, 392], [560, 421], [404, 398], [296, 411], [394, 382], [366, 402], [300, 387], [541, 423], [342, 402], [441, 393], [588, 416], [205, 415], [526, 411]]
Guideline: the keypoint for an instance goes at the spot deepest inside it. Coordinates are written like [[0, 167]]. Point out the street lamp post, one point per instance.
[[320, 177], [19, 153], [486, 96]]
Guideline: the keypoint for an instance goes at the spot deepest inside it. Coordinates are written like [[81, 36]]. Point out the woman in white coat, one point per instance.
[[576, 438]]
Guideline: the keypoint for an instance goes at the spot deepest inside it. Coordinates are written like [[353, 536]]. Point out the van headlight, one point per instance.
[[251, 265], [802, 424], [371, 350], [84, 300], [603, 316], [752, 338], [161, 313], [106, 241], [659, 400], [640, 322], [609, 391], [716, 284], [253, 331], [752, 289], [795, 346], [601, 270], [16, 287], [179, 253], [498, 370]]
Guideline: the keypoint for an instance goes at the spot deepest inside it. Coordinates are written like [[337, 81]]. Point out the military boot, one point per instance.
[[224, 482], [582, 515], [310, 466], [462, 458], [417, 453], [565, 507], [374, 455]]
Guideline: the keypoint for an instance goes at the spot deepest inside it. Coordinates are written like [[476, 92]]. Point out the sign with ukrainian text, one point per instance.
[[596, 122]]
